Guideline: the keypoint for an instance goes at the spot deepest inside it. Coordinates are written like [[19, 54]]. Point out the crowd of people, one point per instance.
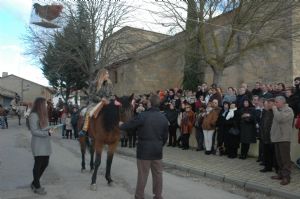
[[225, 121]]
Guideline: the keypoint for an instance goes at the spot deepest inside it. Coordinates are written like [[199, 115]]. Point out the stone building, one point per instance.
[[158, 64], [26, 89]]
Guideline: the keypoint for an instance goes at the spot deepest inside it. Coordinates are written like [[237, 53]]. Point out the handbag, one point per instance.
[[297, 122], [234, 131]]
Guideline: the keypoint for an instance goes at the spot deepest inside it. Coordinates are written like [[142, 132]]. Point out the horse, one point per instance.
[[104, 130], [17, 109]]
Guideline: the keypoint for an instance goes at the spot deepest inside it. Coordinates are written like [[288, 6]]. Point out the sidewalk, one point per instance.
[[243, 173]]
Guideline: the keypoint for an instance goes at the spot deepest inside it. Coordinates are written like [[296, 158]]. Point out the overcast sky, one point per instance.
[[15, 17]]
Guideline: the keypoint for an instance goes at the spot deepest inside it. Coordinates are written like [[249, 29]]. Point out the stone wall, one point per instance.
[[158, 67]]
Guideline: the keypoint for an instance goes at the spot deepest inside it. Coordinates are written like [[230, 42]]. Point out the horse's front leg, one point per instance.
[[92, 151], [97, 164], [82, 149], [110, 154]]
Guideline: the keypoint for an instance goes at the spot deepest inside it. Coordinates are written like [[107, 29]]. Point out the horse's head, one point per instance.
[[126, 107]]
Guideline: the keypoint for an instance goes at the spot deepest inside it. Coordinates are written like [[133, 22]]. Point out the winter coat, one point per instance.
[[210, 120], [240, 100], [187, 122], [256, 91], [282, 125], [172, 115], [265, 126], [230, 140], [294, 103], [266, 95], [40, 140], [221, 122], [68, 123], [104, 91], [74, 118], [247, 126], [152, 132]]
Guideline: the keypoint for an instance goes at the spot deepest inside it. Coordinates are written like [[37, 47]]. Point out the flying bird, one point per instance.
[[48, 12]]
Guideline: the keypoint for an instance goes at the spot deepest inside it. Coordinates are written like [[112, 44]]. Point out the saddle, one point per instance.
[[96, 110]]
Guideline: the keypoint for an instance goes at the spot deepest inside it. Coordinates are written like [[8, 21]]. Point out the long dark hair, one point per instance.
[[112, 114], [39, 107]]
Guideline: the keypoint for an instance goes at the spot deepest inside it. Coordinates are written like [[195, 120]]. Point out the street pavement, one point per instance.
[[63, 179], [242, 173]]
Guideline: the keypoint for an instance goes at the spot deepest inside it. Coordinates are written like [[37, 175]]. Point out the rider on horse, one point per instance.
[[100, 95]]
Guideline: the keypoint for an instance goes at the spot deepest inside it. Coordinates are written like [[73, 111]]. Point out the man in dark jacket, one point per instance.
[[265, 129], [74, 121], [152, 131]]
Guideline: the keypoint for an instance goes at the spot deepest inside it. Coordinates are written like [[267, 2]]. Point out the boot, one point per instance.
[[285, 181]]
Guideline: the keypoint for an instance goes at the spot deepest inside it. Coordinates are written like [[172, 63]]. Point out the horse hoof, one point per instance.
[[109, 180], [93, 187]]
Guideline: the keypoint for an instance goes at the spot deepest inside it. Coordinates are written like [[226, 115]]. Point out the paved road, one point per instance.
[[63, 179]]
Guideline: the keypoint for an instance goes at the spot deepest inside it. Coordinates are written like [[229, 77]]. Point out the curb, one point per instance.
[[242, 183]]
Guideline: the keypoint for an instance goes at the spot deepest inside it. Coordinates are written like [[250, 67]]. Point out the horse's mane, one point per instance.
[[110, 116]]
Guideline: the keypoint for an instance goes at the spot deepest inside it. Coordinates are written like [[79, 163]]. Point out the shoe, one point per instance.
[[169, 145], [242, 157], [285, 181], [207, 152], [82, 133], [199, 149], [264, 170], [40, 191], [184, 148], [276, 177], [262, 164], [258, 160]]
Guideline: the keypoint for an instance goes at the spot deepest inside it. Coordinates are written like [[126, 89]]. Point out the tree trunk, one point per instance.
[[218, 75]]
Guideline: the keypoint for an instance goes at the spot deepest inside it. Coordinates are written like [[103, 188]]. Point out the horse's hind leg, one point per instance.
[[110, 154], [97, 164]]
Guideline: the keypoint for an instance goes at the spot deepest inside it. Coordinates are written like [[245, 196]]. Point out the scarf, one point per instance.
[[230, 113]]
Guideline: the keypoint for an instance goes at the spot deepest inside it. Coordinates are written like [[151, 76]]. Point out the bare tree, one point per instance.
[[95, 21], [228, 29]]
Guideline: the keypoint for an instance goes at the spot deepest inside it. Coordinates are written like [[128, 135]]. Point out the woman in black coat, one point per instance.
[[247, 127], [232, 141], [222, 128], [172, 114]]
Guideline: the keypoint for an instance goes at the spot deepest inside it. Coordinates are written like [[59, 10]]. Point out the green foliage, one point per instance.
[[60, 63], [193, 72]]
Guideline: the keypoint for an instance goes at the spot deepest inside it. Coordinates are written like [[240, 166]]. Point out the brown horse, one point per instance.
[[104, 130]]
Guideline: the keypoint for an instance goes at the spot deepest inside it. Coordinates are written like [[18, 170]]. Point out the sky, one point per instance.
[[15, 17]]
